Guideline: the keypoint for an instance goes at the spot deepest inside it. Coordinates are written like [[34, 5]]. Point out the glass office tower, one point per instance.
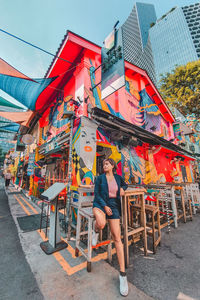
[[135, 30], [175, 39], [158, 46]]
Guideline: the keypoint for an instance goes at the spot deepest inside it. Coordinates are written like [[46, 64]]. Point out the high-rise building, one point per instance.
[[175, 39], [158, 46], [135, 30]]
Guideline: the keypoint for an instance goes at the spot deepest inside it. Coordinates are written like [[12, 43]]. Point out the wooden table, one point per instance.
[[126, 233]]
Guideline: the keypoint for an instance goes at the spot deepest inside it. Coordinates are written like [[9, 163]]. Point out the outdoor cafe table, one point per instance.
[[128, 193]]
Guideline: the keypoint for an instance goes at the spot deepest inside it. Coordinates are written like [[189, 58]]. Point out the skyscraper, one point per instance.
[[135, 30], [175, 39], [158, 46]]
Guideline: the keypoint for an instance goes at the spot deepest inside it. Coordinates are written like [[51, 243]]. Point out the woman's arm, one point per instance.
[[97, 193]]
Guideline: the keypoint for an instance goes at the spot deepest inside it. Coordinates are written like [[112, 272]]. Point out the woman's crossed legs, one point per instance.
[[114, 224]]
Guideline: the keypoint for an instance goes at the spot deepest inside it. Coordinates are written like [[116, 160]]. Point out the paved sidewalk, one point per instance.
[[63, 276], [174, 271], [16, 278]]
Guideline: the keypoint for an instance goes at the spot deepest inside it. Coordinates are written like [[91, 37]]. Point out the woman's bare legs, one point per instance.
[[100, 218], [100, 223], [116, 235]]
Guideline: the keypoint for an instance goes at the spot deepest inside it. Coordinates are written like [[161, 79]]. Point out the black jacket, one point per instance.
[[101, 193]]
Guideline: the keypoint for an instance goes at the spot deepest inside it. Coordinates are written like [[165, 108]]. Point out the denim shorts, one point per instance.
[[115, 207]]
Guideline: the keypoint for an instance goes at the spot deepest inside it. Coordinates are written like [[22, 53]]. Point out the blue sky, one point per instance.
[[44, 23]]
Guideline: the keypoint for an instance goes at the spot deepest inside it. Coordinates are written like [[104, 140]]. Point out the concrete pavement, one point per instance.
[[173, 273], [63, 276], [16, 278]]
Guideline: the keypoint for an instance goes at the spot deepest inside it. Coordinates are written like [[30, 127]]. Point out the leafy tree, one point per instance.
[[181, 88]]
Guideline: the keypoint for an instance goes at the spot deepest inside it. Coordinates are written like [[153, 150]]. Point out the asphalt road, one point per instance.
[[174, 269], [17, 281]]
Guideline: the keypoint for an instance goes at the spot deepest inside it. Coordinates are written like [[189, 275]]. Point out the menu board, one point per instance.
[[31, 164]]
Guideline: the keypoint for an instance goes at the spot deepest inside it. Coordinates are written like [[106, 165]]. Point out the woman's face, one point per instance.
[[107, 166]]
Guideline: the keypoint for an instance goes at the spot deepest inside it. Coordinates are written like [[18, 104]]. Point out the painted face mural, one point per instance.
[[88, 146], [130, 111], [84, 152]]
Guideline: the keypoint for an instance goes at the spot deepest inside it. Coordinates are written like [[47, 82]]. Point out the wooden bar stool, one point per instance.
[[129, 195], [84, 227], [167, 206], [152, 209], [184, 202], [152, 213]]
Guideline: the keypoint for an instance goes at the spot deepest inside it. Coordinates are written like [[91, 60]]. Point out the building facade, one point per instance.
[[158, 46], [175, 39], [132, 125], [137, 46]]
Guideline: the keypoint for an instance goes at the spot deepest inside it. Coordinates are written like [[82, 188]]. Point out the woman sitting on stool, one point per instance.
[[107, 205]]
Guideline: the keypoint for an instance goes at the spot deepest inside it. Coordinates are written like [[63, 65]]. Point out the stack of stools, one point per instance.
[[85, 219], [192, 191], [167, 207], [183, 203], [133, 204]]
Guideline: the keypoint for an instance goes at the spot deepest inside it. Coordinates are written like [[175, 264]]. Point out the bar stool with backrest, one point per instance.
[[133, 198], [192, 191], [85, 213], [153, 217]]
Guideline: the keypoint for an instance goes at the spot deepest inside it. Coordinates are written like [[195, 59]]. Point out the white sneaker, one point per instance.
[[95, 236], [123, 285]]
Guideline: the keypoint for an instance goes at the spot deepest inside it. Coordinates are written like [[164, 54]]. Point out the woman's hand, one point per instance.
[[121, 192], [108, 210]]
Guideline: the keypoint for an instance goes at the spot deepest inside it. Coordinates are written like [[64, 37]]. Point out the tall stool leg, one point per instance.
[[143, 221], [159, 229], [89, 263], [41, 215], [78, 229], [183, 205], [69, 226], [153, 232], [190, 209]]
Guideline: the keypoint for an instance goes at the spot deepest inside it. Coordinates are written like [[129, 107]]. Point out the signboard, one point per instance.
[[112, 71], [50, 146], [20, 146], [109, 42], [31, 164], [27, 139]]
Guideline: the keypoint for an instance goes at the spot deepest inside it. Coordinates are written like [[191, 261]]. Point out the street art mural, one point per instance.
[[194, 123], [143, 164], [52, 122], [130, 104], [84, 152]]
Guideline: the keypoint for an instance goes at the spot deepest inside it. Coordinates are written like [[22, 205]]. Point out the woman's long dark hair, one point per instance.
[[112, 162]]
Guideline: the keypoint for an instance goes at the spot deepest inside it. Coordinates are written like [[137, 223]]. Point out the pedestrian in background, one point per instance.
[[107, 205], [7, 178]]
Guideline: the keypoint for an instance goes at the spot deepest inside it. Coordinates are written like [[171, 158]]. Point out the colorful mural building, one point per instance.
[[75, 130], [133, 125], [187, 134]]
